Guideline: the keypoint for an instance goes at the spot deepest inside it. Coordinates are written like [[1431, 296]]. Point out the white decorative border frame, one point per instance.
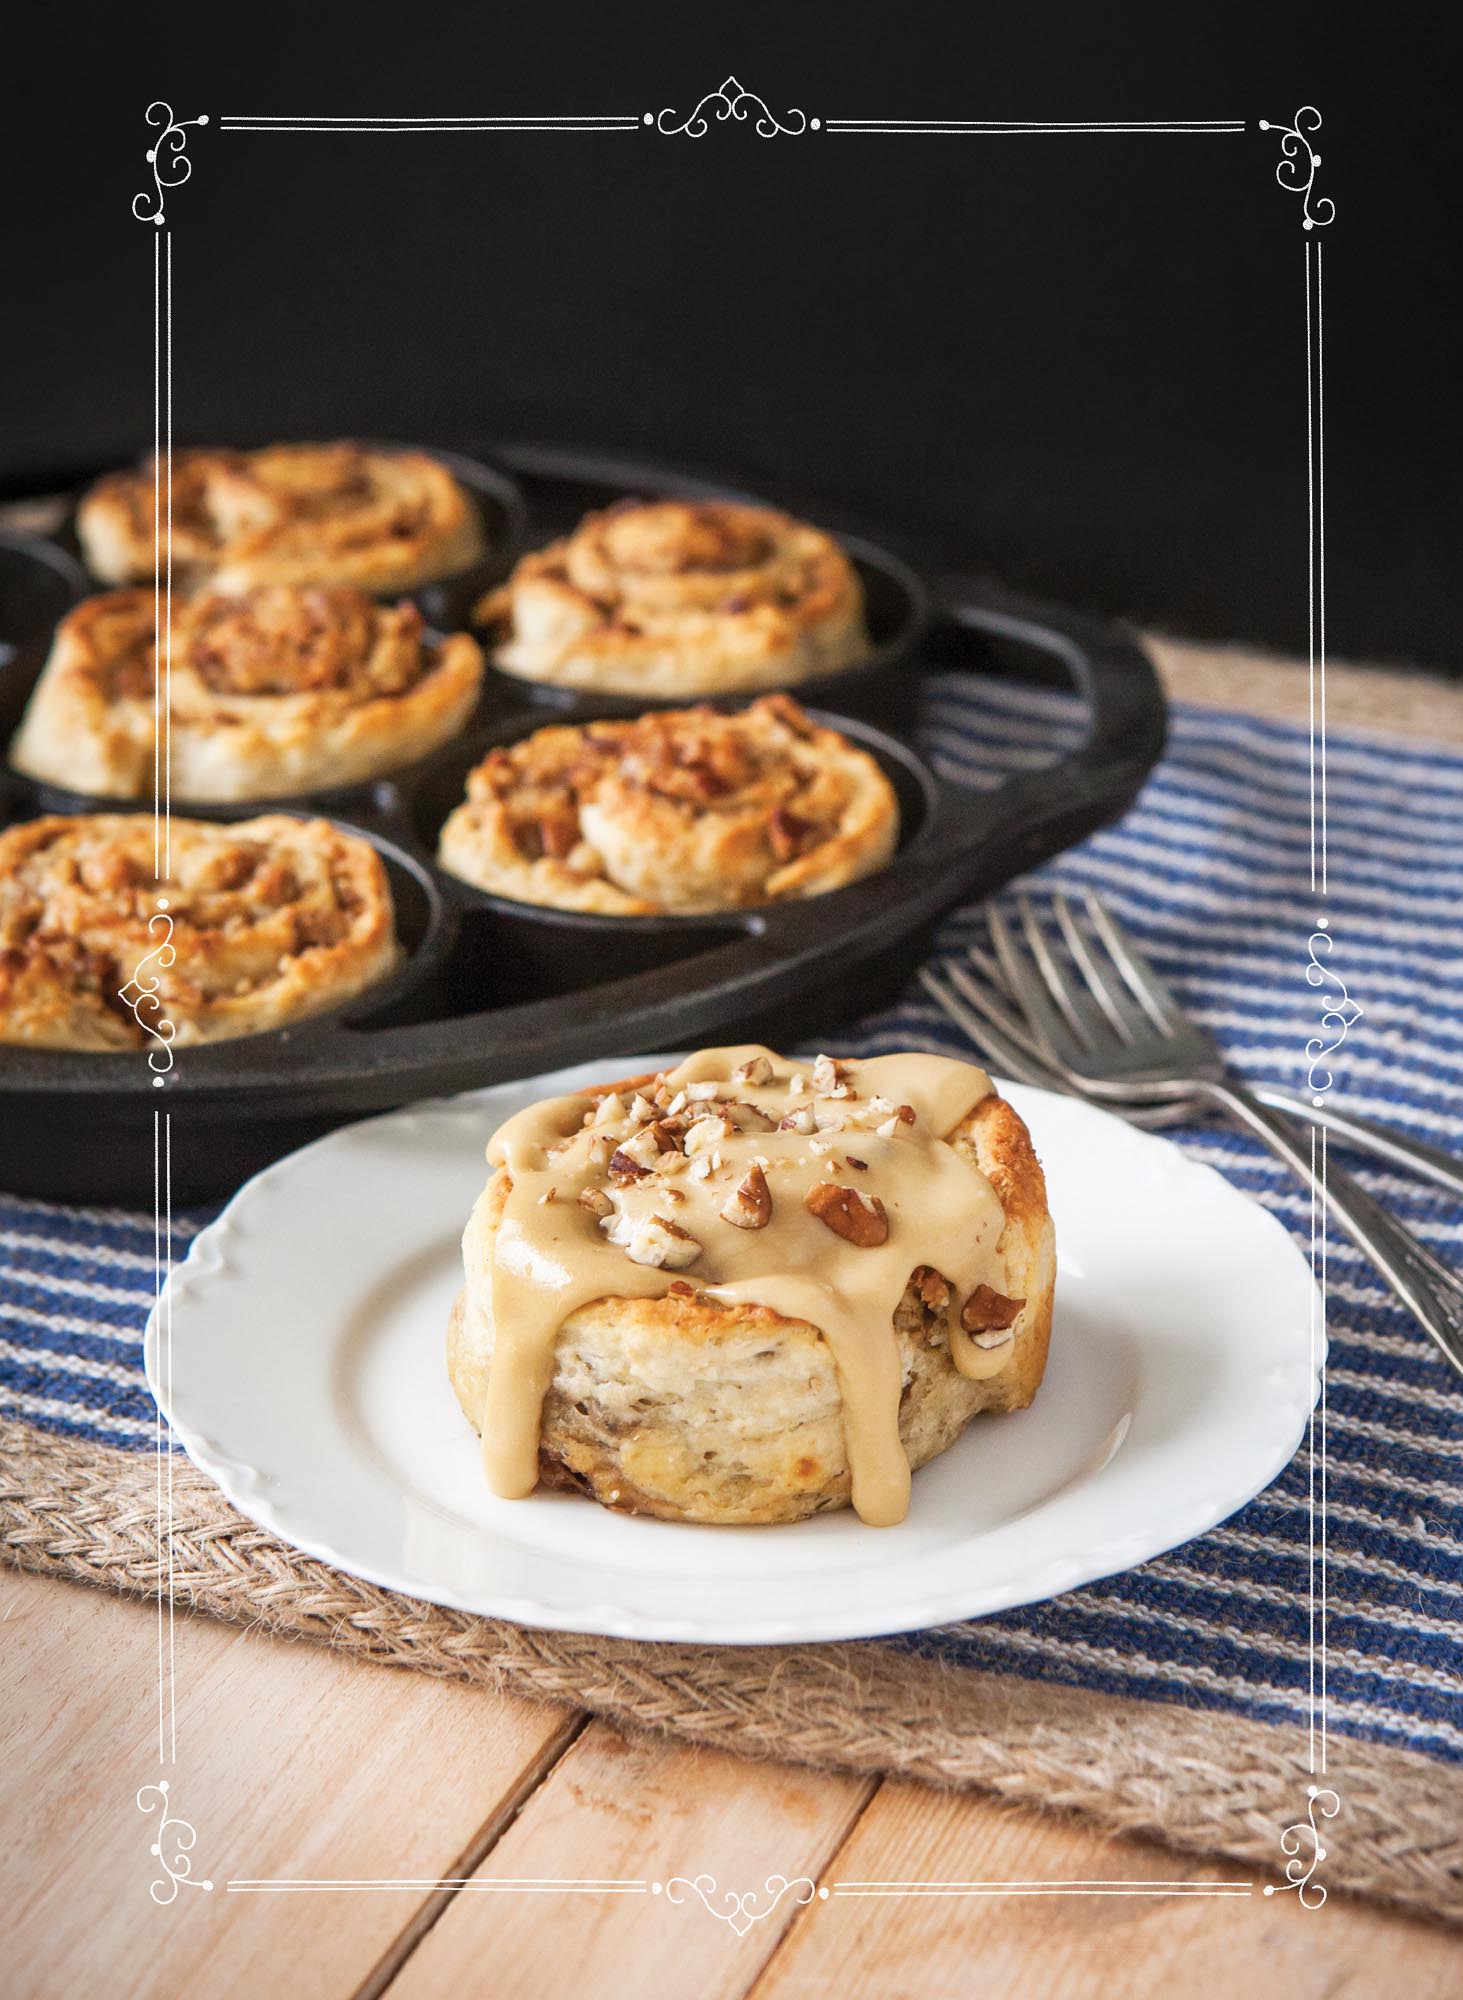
[[732, 104]]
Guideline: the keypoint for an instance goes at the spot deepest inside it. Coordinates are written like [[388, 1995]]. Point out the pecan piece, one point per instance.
[[596, 1201], [558, 833], [933, 1289], [858, 1218], [787, 834], [749, 1205], [756, 1069], [828, 1073], [643, 1147], [624, 1169], [987, 1316], [708, 1132], [657, 1241], [747, 1117]]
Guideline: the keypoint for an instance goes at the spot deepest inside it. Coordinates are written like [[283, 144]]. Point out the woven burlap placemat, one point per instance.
[[1201, 1781]]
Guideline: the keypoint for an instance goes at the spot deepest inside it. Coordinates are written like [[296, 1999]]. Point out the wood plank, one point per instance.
[[1078, 1947], [645, 1812], [292, 1761]]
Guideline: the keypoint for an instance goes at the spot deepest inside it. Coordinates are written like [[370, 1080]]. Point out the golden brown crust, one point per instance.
[[676, 598], [687, 1408], [1005, 1155], [277, 689], [293, 513], [254, 926], [681, 810]]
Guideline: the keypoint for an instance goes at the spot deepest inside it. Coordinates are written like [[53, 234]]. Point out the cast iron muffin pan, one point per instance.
[[491, 989]]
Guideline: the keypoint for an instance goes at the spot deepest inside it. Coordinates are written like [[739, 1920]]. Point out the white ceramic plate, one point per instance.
[[305, 1372]]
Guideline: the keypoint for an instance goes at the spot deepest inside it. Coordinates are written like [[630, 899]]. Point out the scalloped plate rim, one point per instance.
[[208, 1262]]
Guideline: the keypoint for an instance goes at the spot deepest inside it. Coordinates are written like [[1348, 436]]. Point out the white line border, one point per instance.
[[162, 1137]]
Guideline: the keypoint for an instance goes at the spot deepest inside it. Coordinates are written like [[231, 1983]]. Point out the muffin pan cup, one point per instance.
[[562, 487], [491, 989]]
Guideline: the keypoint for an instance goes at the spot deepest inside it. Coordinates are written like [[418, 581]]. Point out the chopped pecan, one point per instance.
[[858, 1218], [708, 1132], [749, 1205], [787, 835], [558, 832], [655, 1240], [827, 1074], [799, 1121], [596, 1201], [933, 1289], [747, 1117], [988, 1313], [623, 1168], [643, 1149], [755, 1070]]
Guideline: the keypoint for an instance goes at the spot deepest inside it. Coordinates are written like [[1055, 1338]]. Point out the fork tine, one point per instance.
[[990, 970], [1022, 1062], [988, 1039], [995, 1010], [1104, 983], [1087, 1022], [1030, 991], [1157, 1001]]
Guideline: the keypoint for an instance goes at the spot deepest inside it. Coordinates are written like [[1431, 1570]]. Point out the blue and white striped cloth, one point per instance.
[[1211, 871]]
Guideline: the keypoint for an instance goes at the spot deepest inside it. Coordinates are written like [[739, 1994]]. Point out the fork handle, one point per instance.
[[1424, 1285], [1430, 1162]]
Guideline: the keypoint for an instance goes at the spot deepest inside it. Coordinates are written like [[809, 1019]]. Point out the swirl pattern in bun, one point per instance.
[[281, 688], [750, 1290], [292, 513], [680, 598], [272, 920], [678, 811]]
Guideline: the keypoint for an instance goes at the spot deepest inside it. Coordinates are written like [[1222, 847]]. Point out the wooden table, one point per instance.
[[295, 1763]]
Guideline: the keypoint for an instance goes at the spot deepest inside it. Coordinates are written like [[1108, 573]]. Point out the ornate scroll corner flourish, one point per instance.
[[732, 101], [175, 1840], [141, 994], [168, 159], [1299, 160], [739, 1911], [1302, 1842], [1339, 1012]]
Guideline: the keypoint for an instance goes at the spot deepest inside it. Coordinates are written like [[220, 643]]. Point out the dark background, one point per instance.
[[1077, 362]]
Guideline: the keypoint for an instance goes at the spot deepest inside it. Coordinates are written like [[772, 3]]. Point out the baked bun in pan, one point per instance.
[[273, 689], [383, 520], [675, 599], [749, 1290], [252, 927], [675, 812]]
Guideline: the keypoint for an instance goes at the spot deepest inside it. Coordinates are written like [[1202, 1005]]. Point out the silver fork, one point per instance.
[[975, 996], [1111, 1028]]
